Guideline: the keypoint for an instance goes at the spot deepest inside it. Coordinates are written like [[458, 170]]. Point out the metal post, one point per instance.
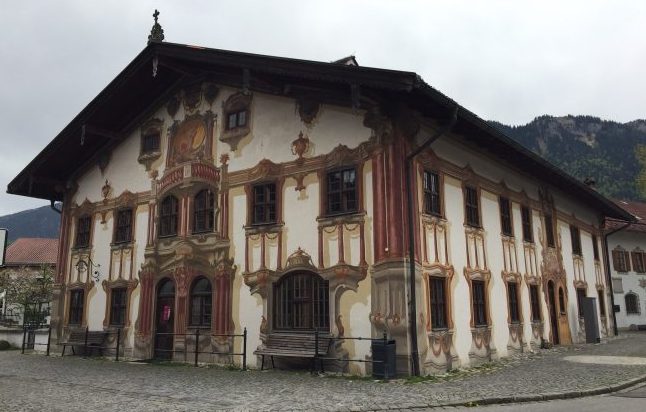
[[316, 346], [197, 342], [244, 349], [24, 336], [87, 330], [385, 352], [118, 344], [49, 338]]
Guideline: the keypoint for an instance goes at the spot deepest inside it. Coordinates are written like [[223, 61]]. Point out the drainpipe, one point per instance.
[[54, 208], [609, 274], [412, 306]]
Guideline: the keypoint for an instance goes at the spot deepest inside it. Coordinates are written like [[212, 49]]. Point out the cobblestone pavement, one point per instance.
[[36, 382]]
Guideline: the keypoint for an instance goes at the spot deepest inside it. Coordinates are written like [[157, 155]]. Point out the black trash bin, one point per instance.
[[383, 356]]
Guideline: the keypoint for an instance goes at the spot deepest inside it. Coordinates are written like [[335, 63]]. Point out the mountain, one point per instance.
[[587, 147], [40, 222]]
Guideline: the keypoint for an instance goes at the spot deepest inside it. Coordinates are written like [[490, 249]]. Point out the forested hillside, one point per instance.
[[586, 146], [40, 222]]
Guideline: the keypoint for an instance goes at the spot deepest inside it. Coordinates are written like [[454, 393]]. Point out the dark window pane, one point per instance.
[[77, 301], [150, 143], [342, 191], [84, 225], [595, 247], [580, 295], [233, 120], [575, 235], [432, 202], [479, 303], [438, 303], [535, 303], [472, 207], [549, 230], [118, 306], [203, 212], [201, 303], [505, 216], [123, 232], [514, 311], [602, 303], [264, 205], [168, 216], [301, 302], [526, 214]]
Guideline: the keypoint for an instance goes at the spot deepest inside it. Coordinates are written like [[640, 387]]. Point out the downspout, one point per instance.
[[54, 208], [609, 274], [412, 306]]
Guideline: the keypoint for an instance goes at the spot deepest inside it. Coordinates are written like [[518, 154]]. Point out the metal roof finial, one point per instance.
[[156, 33]]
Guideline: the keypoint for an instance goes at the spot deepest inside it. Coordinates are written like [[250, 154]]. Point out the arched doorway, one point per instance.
[[301, 302], [164, 315], [554, 323]]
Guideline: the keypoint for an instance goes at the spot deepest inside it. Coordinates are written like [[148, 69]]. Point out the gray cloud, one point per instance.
[[505, 60]]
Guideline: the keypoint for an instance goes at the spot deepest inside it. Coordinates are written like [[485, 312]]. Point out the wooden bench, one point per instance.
[[294, 345], [95, 340]]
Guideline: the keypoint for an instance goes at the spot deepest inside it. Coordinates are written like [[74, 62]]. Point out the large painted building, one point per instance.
[[220, 190], [627, 248]]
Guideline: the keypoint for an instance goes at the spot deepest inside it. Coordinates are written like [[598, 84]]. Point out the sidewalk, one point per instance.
[[36, 382]]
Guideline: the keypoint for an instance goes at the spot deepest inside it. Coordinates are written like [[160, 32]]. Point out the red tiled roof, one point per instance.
[[29, 250], [637, 209]]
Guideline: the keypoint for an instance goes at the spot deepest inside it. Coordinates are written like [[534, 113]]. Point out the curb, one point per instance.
[[542, 396]]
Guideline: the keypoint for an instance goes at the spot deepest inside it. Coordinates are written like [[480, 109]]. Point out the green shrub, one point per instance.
[[4, 345]]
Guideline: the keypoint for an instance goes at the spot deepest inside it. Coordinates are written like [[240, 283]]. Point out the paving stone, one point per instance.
[[35, 383]]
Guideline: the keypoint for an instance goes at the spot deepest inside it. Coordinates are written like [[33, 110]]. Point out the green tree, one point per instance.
[[640, 155], [29, 290]]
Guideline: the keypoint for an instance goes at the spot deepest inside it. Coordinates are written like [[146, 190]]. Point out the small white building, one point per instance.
[[627, 247], [220, 190]]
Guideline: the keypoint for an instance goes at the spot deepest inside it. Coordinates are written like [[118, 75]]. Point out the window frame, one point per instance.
[[513, 302], [203, 301], [634, 307], [237, 115], [575, 238], [120, 308], [550, 239], [267, 204], [151, 135], [638, 260], [506, 221], [77, 307], [83, 236], [602, 303], [479, 303], [342, 192], [204, 211], [580, 294], [535, 303], [438, 309], [432, 193], [286, 302], [472, 207], [621, 260], [118, 227], [172, 216], [527, 223]]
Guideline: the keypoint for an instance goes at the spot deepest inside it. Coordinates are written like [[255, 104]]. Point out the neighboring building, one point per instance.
[[220, 190], [26, 256], [627, 249]]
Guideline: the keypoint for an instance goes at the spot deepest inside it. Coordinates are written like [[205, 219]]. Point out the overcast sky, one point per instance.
[[505, 60]]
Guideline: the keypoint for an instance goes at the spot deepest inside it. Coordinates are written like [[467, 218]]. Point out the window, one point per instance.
[[580, 297], [621, 260], [505, 216], [602, 303], [471, 206], [632, 304], [342, 191], [432, 199], [237, 119], [512, 295], [561, 301], [638, 261], [549, 231], [264, 203], [535, 303], [438, 303], [83, 228], [123, 228], [479, 303], [575, 235], [150, 142], [526, 215], [595, 247], [118, 305], [204, 212], [201, 303], [301, 301], [77, 300], [617, 285], [168, 217]]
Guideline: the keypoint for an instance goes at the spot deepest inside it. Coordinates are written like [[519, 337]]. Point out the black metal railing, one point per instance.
[[196, 348], [28, 333], [321, 359]]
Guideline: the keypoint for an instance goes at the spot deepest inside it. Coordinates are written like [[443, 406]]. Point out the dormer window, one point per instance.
[[237, 119], [150, 142]]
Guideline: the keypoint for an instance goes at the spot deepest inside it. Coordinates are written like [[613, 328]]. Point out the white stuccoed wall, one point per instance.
[[629, 280]]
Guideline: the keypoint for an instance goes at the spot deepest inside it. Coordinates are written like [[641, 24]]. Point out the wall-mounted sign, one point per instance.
[[4, 235]]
